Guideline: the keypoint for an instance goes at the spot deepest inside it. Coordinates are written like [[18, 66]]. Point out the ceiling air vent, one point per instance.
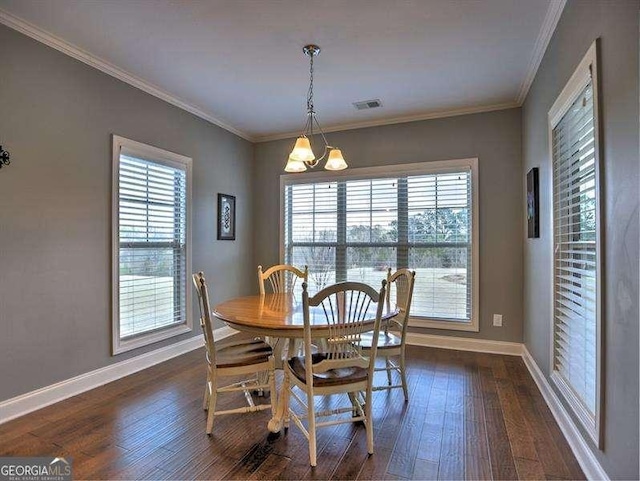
[[367, 104]]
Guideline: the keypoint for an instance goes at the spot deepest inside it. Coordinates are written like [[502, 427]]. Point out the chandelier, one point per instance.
[[302, 155]]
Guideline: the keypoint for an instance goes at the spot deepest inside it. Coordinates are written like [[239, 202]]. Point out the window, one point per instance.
[[151, 244], [355, 225], [576, 329]]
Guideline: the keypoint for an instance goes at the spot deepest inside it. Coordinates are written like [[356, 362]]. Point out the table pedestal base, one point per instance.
[[281, 412]]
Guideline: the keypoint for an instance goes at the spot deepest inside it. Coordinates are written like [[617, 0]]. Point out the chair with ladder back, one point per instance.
[[233, 357], [392, 339], [282, 278], [339, 366]]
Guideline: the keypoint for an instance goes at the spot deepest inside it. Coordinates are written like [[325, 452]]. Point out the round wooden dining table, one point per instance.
[[280, 317]]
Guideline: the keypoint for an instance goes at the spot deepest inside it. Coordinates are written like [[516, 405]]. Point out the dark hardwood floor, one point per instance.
[[470, 416]]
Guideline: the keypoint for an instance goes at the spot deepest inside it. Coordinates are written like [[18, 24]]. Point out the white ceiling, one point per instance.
[[239, 63]]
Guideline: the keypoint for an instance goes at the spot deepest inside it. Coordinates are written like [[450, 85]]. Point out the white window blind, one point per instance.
[[576, 326], [575, 260], [439, 230], [152, 245], [312, 227], [355, 229]]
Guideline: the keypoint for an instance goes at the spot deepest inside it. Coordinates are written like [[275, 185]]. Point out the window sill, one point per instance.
[[445, 325], [124, 345]]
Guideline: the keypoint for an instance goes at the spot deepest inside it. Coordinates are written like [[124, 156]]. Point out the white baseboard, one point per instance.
[[465, 344], [34, 400], [581, 450]]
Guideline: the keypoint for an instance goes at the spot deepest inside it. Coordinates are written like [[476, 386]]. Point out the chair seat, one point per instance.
[[386, 340], [242, 352], [333, 377]]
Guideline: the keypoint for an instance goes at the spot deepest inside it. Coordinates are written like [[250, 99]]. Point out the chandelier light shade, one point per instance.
[[295, 166], [302, 155], [302, 150], [335, 160]]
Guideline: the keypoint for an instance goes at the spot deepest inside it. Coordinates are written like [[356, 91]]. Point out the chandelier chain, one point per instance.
[[310, 108]]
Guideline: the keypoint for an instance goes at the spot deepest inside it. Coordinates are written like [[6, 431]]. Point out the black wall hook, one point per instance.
[[5, 157]]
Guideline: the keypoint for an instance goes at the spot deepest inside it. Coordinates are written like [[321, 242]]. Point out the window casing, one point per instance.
[[151, 244], [576, 335], [353, 225]]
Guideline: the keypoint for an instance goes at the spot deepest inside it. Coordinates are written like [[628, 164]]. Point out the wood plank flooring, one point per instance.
[[470, 416]]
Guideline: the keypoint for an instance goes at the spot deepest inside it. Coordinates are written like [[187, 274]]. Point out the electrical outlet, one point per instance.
[[497, 320]]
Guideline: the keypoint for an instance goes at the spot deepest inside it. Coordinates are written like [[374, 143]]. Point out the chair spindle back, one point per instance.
[[200, 284], [282, 277], [403, 281], [345, 308]]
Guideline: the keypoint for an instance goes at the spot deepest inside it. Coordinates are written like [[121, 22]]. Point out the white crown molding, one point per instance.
[[78, 53], [581, 449], [548, 27], [440, 114], [464, 344], [544, 37], [40, 398]]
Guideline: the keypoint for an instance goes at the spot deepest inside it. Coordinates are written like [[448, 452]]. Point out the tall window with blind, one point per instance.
[[576, 246], [151, 196], [421, 216]]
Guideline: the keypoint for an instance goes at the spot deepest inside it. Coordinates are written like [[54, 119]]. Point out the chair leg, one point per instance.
[[212, 405], [352, 398], [272, 386], [285, 400], [388, 366], [312, 428], [403, 375], [368, 422], [262, 378], [205, 400]]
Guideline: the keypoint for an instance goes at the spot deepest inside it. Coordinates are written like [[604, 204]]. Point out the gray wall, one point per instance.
[[56, 118], [492, 137], [616, 23]]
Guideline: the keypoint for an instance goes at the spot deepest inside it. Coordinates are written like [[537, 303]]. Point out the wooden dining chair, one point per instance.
[[341, 367], [233, 357], [282, 277], [392, 339]]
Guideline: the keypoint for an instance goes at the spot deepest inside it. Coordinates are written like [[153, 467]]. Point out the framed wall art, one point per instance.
[[533, 204], [226, 217]]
